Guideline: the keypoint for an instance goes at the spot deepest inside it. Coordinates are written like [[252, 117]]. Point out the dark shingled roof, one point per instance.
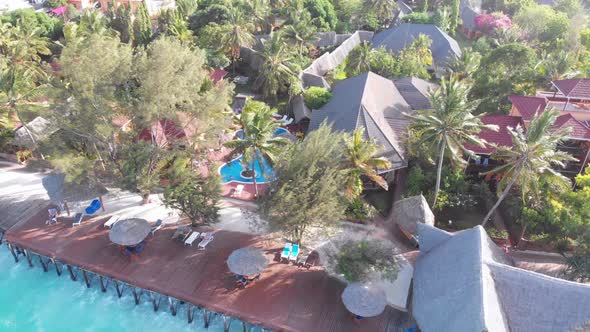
[[579, 131], [415, 91], [371, 102], [444, 48]]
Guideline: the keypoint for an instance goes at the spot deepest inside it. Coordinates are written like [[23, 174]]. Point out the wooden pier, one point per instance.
[[287, 298]]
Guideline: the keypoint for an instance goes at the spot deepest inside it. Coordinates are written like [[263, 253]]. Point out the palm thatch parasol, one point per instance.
[[412, 210], [59, 190], [247, 261], [129, 232], [364, 300]]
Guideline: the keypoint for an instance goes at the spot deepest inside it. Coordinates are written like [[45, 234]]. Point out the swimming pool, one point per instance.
[[32, 300], [233, 171]]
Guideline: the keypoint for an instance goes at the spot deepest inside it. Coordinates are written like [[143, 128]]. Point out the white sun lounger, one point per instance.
[[206, 240], [191, 238], [238, 190], [112, 220]]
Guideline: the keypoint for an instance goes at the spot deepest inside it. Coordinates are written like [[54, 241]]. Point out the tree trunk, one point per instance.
[[439, 171], [254, 177], [522, 232], [501, 198]]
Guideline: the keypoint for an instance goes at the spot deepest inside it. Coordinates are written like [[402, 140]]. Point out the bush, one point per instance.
[[359, 210], [417, 17], [50, 27], [316, 97], [357, 260]]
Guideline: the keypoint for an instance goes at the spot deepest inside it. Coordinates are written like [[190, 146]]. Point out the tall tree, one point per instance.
[[121, 21], [533, 155], [22, 73], [359, 59], [361, 159], [275, 75], [142, 26], [382, 9], [455, 18], [235, 34], [302, 33], [449, 125], [259, 144], [308, 191]]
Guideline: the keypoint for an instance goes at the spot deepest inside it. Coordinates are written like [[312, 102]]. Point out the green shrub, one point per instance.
[[496, 233], [359, 210], [316, 97], [357, 260], [417, 17]]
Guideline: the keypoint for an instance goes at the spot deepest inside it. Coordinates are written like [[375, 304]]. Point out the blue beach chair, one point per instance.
[[286, 251], [294, 253], [93, 207]]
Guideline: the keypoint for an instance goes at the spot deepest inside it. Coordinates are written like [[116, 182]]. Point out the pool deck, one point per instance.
[[287, 298]]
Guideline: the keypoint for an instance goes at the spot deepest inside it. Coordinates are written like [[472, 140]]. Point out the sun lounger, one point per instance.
[[294, 252], [93, 207], [112, 220], [78, 219], [52, 216], [207, 238], [191, 238], [238, 190], [157, 226], [286, 251]]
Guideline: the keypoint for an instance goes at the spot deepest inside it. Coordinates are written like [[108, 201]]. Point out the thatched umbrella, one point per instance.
[[364, 300], [129, 232], [412, 210], [60, 191], [247, 261]]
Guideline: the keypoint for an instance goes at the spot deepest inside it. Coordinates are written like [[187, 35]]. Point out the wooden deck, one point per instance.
[[287, 298]]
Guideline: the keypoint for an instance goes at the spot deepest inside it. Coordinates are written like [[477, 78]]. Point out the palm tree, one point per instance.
[[449, 125], [359, 59], [275, 74], [466, 65], [532, 156], [22, 76], [235, 34], [302, 33], [360, 160], [259, 144], [383, 9]]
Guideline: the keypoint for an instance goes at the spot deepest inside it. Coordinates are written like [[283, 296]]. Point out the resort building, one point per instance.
[[570, 97], [375, 104], [464, 282], [444, 48]]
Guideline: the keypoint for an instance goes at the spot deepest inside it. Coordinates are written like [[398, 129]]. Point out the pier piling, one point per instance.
[[43, 263], [72, 274], [119, 288], [11, 247], [103, 286], [136, 296], [86, 279], [173, 305], [189, 313], [28, 256], [155, 300]]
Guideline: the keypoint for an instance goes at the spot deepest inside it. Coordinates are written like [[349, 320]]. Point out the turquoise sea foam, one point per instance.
[[33, 300]]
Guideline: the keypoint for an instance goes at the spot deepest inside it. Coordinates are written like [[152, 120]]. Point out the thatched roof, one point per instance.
[[129, 232], [247, 261], [59, 190], [410, 211], [464, 282], [364, 300]]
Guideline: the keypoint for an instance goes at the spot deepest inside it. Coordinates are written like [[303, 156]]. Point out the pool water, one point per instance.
[[33, 300], [232, 171]]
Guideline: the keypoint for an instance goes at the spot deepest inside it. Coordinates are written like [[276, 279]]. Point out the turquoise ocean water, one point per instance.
[[33, 300]]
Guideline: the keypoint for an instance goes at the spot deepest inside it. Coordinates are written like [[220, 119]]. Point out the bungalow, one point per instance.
[[376, 104], [153, 6], [444, 48], [463, 282]]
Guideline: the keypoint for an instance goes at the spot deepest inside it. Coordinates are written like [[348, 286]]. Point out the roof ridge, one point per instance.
[[396, 148]]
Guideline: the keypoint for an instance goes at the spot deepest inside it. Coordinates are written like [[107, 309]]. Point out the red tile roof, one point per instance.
[[527, 106], [217, 75], [574, 88], [501, 137], [579, 130]]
